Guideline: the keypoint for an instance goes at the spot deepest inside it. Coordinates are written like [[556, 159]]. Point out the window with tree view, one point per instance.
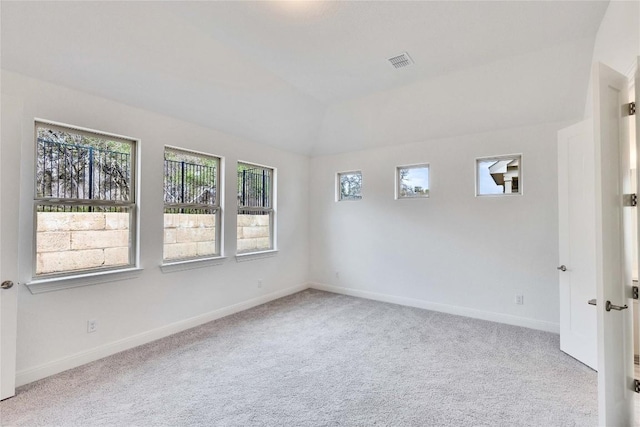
[[413, 181], [350, 186], [255, 208], [85, 201], [191, 205]]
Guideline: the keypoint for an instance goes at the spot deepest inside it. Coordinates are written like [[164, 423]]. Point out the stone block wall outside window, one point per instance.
[[72, 241], [254, 233], [189, 236]]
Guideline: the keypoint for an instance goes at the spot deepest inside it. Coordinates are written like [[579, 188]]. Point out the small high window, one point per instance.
[[256, 208], [85, 201], [349, 185], [499, 175], [191, 205], [412, 181]]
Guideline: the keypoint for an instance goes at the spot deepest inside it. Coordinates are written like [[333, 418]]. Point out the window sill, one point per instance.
[[38, 286], [489, 196], [170, 267], [412, 198], [250, 256]]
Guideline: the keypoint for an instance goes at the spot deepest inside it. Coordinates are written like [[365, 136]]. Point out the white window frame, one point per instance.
[[68, 279], [177, 264], [518, 156], [399, 195], [273, 223], [339, 190]]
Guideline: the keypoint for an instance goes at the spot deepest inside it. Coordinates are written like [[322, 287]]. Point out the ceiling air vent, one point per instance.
[[402, 60]]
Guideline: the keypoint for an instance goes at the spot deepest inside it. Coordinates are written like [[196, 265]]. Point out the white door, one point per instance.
[[10, 140], [614, 264], [576, 207]]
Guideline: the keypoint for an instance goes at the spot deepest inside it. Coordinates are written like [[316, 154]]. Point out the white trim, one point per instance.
[[273, 210], [218, 211], [38, 286], [190, 264], [71, 279], [250, 256], [222, 180], [195, 153], [84, 129], [444, 308], [256, 164], [35, 373], [632, 69]]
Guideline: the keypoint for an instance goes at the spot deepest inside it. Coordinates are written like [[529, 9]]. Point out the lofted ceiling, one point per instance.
[[312, 76]]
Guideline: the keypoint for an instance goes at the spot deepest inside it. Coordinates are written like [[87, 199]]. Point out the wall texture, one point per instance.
[[52, 326], [452, 251]]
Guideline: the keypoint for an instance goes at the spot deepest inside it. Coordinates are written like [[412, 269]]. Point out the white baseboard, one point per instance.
[[444, 308], [54, 367]]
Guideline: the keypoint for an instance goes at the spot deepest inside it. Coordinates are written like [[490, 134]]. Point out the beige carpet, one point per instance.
[[321, 359]]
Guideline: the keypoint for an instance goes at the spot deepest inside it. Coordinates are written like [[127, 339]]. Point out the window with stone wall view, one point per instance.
[[499, 175], [84, 201], [191, 205], [256, 215]]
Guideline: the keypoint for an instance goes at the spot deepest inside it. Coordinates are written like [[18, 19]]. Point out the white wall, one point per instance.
[[453, 251], [52, 326], [509, 92], [617, 43]]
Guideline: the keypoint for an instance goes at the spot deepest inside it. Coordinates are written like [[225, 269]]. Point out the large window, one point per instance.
[[191, 205], [85, 201], [256, 213]]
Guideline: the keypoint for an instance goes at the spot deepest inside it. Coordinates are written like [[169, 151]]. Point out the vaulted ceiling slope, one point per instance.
[[313, 77]]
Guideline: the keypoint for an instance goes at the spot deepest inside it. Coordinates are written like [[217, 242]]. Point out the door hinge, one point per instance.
[[636, 386], [629, 109], [630, 199], [634, 292]]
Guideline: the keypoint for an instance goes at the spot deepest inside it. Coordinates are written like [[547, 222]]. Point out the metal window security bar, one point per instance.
[[79, 173], [254, 190], [190, 187]]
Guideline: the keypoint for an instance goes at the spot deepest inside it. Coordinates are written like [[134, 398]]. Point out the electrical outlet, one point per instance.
[[92, 326], [259, 283], [519, 299]]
